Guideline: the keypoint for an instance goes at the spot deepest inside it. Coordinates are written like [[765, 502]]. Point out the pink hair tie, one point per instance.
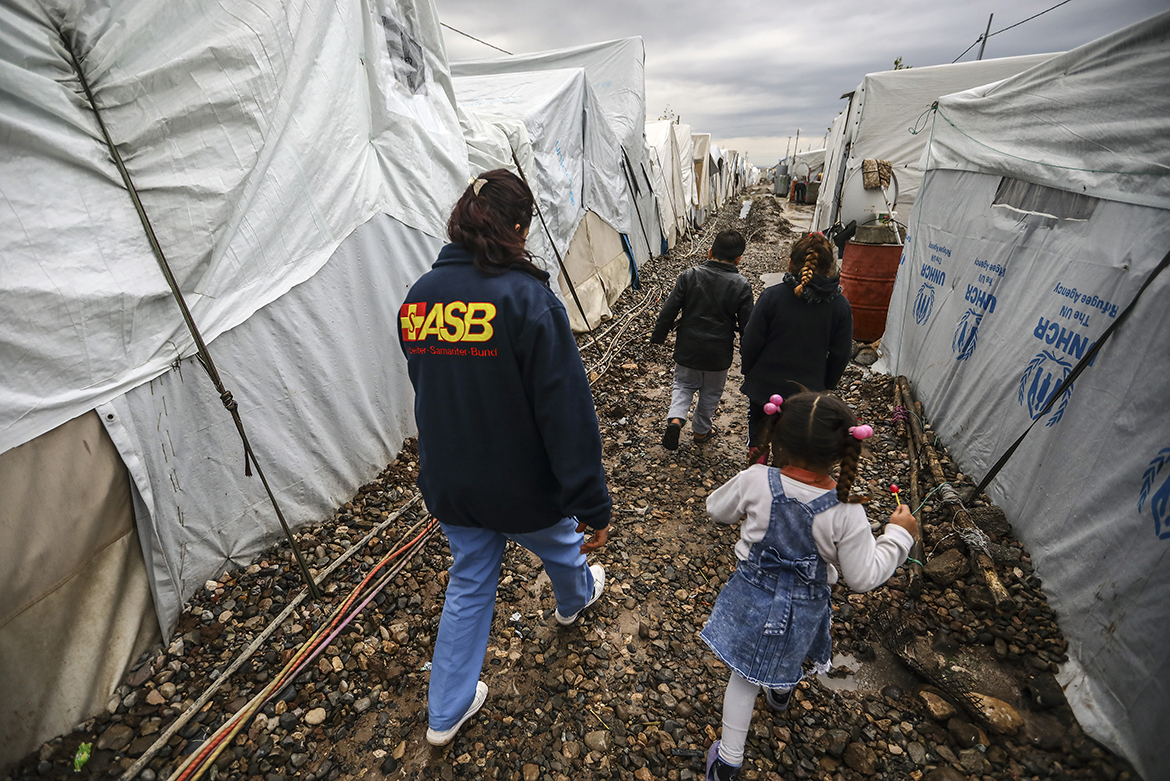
[[773, 405], [861, 432]]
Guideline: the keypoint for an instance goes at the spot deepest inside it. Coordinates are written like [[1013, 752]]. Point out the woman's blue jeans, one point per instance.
[[462, 641]]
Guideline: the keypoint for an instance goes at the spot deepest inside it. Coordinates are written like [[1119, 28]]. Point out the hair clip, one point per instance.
[[773, 405], [861, 432], [477, 185]]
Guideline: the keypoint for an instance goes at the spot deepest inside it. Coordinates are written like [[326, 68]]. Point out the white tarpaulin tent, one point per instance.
[[1045, 208], [807, 164], [616, 72], [883, 111], [685, 144], [669, 185], [701, 158], [292, 255], [553, 118]]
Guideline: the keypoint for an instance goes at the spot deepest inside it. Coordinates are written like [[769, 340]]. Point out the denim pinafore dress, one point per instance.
[[775, 609]]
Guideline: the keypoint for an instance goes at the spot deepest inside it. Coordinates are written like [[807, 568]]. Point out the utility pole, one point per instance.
[[987, 32], [796, 151]]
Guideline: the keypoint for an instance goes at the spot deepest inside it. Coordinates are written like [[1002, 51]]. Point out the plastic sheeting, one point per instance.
[[824, 215], [616, 72], [807, 164], [324, 394], [577, 155], [222, 115], [1044, 210], [669, 186], [701, 157], [685, 144], [554, 120], [73, 581], [883, 112]]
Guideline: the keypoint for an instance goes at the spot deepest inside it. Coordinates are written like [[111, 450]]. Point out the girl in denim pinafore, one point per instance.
[[774, 612]]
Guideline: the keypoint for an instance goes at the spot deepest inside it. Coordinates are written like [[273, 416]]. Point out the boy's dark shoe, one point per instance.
[[717, 769], [670, 436], [704, 438]]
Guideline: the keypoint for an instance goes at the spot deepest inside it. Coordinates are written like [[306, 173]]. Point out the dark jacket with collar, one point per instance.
[[789, 340], [716, 302], [507, 432]]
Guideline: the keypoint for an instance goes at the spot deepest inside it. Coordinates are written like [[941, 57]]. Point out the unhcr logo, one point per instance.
[[1042, 375], [965, 335], [1160, 502], [923, 303]]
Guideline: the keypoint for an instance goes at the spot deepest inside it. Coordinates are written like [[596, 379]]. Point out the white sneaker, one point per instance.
[[598, 586], [443, 738]]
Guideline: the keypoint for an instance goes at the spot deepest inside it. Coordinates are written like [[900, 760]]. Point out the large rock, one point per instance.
[[991, 520], [936, 707], [599, 740], [861, 758], [1000, 716], [945, 773], [116, 738], [947, 567], [1042, 731]]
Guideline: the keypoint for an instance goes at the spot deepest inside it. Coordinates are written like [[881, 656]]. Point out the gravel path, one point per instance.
[[630, 691]]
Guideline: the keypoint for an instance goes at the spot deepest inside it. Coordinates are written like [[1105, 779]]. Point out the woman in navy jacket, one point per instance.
[[509, 446]]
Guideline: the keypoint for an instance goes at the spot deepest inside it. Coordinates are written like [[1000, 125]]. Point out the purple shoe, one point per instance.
[[717, 769]]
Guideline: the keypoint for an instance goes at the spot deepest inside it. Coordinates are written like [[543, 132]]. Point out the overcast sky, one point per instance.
[[751, 72]]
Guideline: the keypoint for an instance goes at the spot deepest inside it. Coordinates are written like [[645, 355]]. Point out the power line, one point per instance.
[[969, 48], [1010, 26], [497, 48], [1030, 18]]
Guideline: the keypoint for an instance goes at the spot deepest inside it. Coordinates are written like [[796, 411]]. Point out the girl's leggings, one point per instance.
[[738, 703]]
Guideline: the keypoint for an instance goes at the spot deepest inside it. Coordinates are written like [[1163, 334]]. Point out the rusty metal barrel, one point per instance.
[[867, 279]]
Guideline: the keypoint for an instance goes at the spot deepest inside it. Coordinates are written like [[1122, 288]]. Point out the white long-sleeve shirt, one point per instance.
[[842, 532]]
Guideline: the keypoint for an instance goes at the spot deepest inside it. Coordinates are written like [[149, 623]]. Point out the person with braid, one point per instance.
[[800, 334], [801, 529]]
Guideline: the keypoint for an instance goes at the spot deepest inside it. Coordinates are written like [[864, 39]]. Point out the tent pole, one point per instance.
[[547, 232], [986, 33], [203, 354], [634, 195]]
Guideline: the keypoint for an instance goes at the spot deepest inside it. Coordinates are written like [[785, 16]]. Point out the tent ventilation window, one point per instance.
[[1047, 201], [406, 55]]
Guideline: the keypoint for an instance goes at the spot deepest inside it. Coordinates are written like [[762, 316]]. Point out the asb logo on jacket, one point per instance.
[[456, 321]]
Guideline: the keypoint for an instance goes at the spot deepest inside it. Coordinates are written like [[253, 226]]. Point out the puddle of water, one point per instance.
[[884, 670], [847, 683]]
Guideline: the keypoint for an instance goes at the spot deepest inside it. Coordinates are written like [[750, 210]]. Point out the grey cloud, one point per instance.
[[756, 70]]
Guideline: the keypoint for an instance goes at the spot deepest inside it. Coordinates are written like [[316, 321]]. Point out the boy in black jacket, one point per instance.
[[716, 302]]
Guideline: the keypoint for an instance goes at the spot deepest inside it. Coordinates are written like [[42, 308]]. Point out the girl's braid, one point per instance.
[[764, 449], [849, 460], [807, 270]]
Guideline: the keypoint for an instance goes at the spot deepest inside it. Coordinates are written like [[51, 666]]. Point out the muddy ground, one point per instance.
[[629, 691]]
